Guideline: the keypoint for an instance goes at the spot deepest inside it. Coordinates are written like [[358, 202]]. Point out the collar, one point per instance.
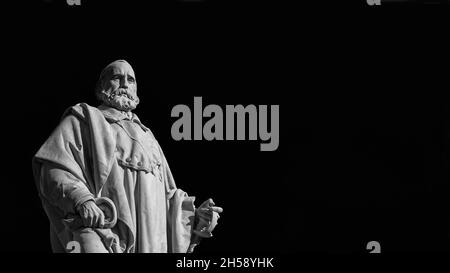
[[113, 115]]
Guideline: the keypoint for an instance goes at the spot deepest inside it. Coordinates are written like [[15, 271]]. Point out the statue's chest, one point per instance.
[[136, 148]]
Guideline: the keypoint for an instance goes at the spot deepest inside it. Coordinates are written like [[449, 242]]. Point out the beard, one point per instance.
[[121, 99]]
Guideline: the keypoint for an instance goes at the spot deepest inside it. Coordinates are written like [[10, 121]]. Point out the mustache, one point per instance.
[[123, 92]]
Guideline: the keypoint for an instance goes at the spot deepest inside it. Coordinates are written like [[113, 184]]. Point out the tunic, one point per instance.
[[104, 152]]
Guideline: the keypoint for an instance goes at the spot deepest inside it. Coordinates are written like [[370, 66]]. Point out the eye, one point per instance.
[[115, 77], [131, 79]]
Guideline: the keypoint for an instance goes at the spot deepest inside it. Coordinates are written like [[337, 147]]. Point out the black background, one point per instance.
[[364, 112]]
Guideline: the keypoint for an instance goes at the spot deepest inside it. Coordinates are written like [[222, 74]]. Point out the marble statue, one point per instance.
[[105, 183]]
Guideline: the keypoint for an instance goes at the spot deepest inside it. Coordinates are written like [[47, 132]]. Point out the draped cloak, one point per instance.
[[99, 152]]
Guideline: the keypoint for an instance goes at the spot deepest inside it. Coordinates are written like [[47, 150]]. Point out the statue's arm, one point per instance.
[[196, 223], [62, 189], [63, 163]]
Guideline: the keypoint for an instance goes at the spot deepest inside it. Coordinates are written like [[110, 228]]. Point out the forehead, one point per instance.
[[121, 68]]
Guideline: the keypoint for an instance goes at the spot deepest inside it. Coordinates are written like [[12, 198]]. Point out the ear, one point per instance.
[[99, 87], [102, 83]]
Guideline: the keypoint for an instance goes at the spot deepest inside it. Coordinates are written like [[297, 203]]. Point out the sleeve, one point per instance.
[[181, 216], [181, 213], [61, 166], [62, 189]]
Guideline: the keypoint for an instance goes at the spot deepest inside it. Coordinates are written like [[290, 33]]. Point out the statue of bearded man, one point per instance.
[[105, 183]]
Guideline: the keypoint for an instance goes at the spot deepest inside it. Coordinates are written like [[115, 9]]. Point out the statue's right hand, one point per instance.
[[91, 214]]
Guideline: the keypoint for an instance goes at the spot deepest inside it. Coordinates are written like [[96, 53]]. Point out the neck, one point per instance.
[[128, 114]]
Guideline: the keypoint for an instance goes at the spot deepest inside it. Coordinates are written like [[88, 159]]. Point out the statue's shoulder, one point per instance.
[[82, 111]]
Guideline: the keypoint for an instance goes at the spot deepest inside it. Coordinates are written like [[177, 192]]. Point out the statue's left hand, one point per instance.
[[207, 215], [206, 220]]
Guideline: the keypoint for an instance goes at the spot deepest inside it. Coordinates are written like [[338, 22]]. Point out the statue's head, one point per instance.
[[117, 86]]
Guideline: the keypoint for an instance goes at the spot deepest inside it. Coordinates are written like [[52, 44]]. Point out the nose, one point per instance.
[[124, 82]]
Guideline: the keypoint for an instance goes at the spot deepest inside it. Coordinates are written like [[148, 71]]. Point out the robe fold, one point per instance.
[[99, 152]]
